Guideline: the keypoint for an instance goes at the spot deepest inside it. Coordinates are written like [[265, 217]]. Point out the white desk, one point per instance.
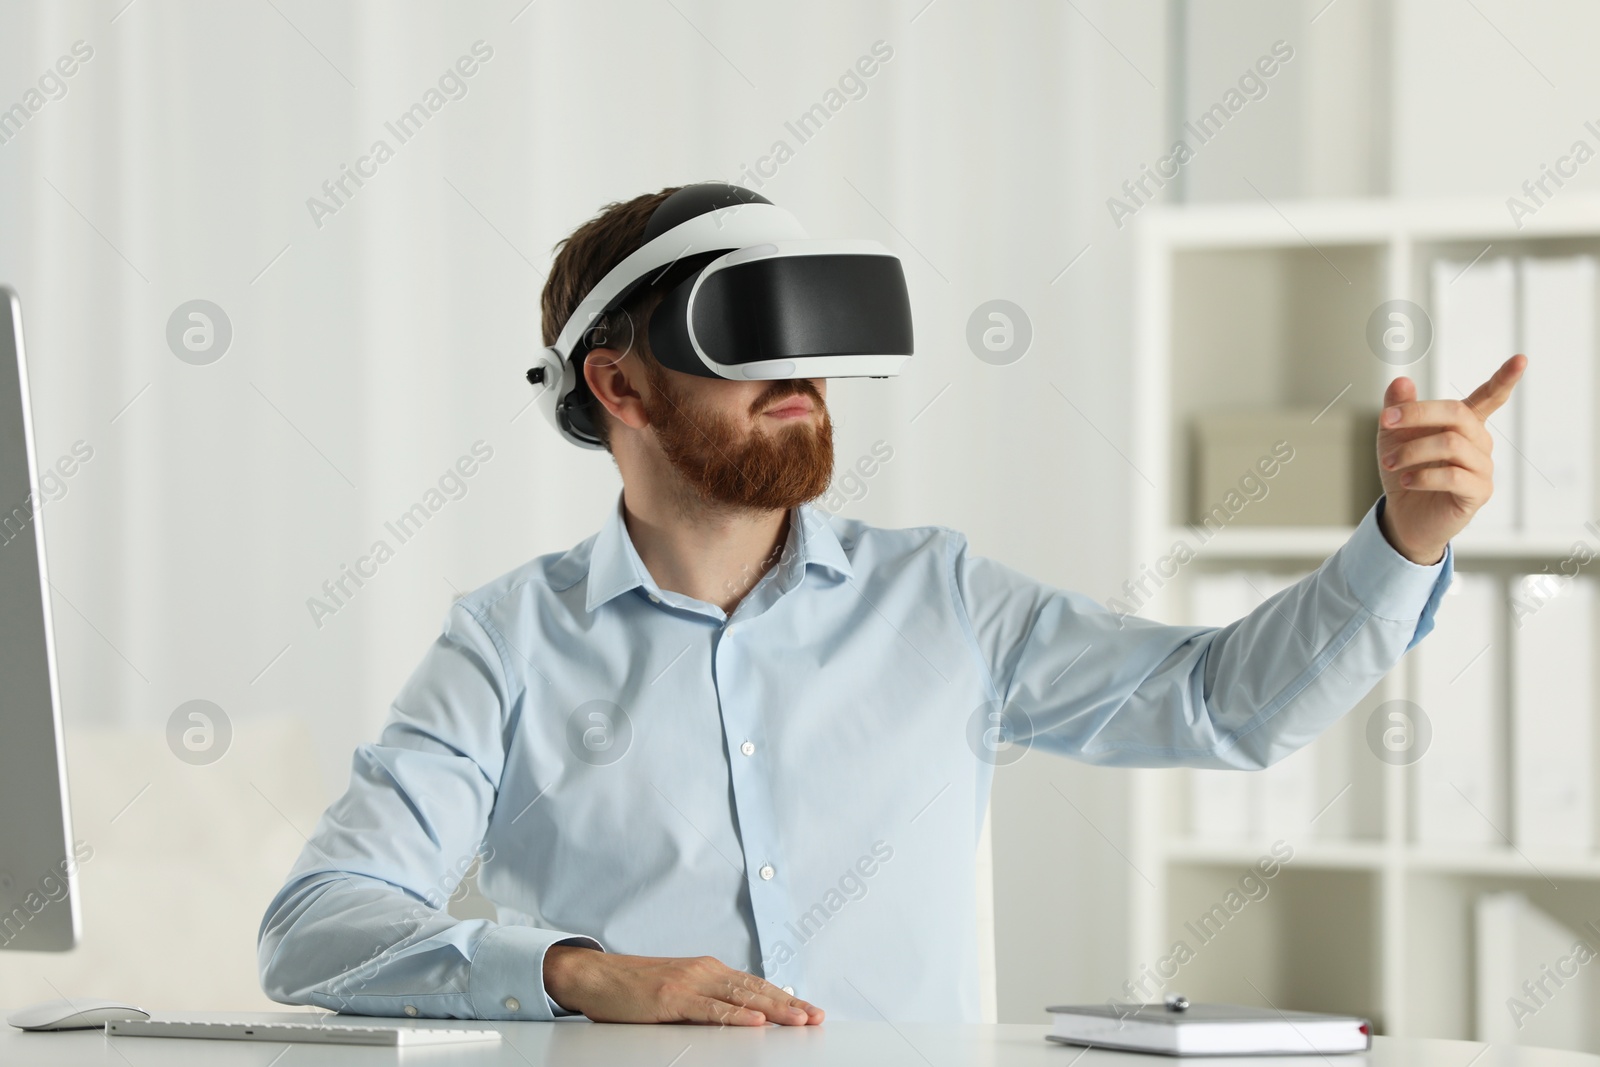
[[842, 1044]]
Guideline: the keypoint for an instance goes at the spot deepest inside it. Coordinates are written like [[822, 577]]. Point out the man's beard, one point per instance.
[[774, 466]]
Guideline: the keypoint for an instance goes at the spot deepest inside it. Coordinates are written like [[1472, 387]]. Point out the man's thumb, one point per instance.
[[1402, 390]]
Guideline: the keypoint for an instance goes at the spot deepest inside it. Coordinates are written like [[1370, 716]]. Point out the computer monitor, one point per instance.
[[38, 884]]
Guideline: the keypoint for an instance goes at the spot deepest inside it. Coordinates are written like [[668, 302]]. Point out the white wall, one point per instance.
[[1418, 98], [1484, 97], [370, 352], [1321, 129]]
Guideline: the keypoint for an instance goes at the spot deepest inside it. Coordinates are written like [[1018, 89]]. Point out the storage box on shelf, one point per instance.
[[1266, 308]]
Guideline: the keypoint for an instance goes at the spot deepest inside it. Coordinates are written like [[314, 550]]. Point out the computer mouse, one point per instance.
[[79, 1013]]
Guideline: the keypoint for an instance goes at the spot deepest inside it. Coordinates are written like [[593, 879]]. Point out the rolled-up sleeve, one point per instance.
[[1076, 678], [361, 925]]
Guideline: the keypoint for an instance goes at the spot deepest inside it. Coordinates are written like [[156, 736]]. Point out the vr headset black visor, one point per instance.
[[747, 297]]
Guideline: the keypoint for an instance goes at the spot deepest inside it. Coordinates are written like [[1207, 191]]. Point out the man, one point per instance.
[[724, 761]]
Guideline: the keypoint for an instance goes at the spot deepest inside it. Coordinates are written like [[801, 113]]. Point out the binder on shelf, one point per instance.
[[1219, 801], [1557, 396], [1459, 685], [1227, 805], [1219, 805], [1517, 944], [1285, 799], [1475, 330], [1552, 712]]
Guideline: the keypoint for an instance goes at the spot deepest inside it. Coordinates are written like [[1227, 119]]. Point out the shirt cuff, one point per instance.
[[1386, 583], [506, 978]]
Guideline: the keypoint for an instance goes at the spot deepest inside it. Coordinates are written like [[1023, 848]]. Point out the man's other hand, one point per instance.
[[612, 988], [1433, 458]]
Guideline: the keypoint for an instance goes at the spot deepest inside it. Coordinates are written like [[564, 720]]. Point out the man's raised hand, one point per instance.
[[1434, 460]]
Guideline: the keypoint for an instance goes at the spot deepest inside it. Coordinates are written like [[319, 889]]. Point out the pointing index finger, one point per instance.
[[1492, 394]]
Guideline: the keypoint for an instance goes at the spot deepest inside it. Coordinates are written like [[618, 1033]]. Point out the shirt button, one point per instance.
[[513, 1004], [411, 1009], [789, 989], [748, 748], [654, 599], [766, 872]]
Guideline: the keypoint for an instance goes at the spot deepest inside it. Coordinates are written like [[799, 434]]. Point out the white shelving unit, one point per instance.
[[1266, 305]]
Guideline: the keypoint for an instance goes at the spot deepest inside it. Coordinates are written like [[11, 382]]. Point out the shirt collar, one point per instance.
[[615, 566]]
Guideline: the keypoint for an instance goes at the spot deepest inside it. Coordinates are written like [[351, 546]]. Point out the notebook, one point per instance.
[[1208, 1030]]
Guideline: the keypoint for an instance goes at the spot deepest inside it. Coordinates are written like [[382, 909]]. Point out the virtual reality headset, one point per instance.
[[747, 296]]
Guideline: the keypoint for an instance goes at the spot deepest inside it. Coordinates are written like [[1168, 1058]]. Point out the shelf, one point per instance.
[[1394, 915], [1322, 855], [1367, 221], [1502, 862], [1371, 855], [1249, 543]]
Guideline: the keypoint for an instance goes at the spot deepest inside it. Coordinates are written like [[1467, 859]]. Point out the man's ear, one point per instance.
[[612, 376]]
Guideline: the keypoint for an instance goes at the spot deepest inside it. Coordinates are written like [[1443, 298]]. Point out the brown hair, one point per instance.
[[582, 259]]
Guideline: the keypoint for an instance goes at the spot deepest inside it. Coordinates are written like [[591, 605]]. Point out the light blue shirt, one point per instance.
[[796, 789]]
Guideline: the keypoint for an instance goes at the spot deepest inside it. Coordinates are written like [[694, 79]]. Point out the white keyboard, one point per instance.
[[321, 1033]]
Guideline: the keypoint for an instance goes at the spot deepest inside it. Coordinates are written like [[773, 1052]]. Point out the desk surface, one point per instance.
[[841, 1044]]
